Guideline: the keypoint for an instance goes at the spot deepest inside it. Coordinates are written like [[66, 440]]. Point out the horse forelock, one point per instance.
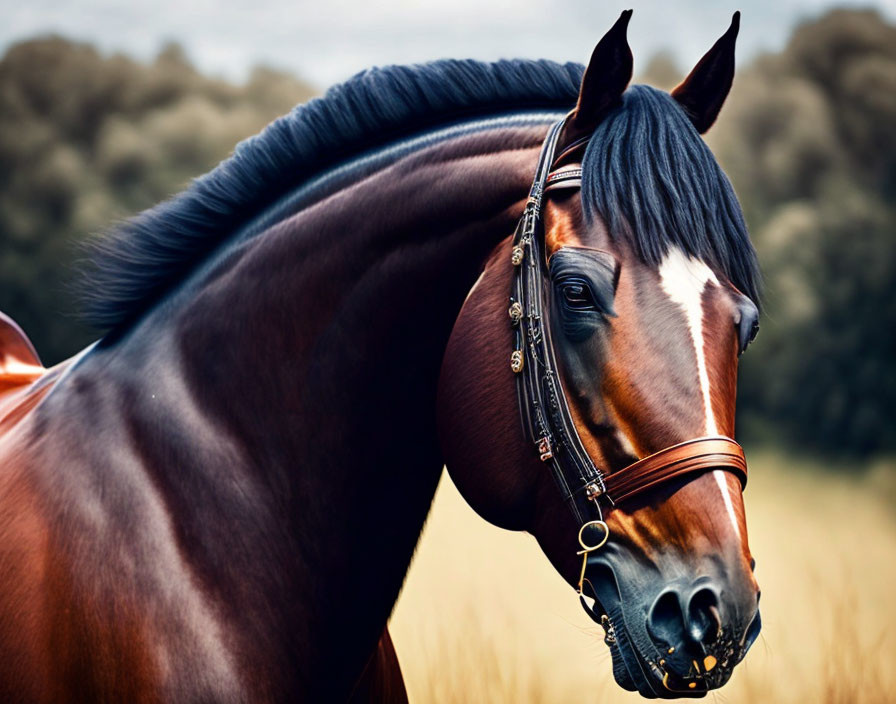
[[649, 175]]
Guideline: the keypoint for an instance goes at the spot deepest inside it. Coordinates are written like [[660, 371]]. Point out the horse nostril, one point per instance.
[[676, 618], [665, 622], [704, 619]]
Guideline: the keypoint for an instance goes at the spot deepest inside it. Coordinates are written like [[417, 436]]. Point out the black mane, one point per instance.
[[137, 262], [650, 176], [647, 173]]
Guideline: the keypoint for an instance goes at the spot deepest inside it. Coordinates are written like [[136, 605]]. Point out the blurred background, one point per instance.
[[107, 108]]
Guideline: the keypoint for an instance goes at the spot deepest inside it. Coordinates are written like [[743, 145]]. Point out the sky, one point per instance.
[[329, 40]]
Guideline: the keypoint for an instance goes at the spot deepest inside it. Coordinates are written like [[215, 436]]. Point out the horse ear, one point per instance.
[[605, 79], [702, 93]]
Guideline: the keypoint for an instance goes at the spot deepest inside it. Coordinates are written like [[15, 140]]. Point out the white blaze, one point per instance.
[[684, 279]]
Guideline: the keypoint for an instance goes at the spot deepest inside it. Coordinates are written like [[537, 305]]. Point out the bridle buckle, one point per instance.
[[594, 491]]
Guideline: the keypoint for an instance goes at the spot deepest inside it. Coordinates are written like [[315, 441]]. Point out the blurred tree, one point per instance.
[[809, 142], [86, 139]]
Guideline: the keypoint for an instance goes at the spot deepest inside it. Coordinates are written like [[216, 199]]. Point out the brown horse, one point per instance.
[[219, 500]]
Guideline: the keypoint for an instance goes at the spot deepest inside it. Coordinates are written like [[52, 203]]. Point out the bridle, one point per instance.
[[542, 401]]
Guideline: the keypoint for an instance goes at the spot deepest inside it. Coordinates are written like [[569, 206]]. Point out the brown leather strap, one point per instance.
[[699, 455]]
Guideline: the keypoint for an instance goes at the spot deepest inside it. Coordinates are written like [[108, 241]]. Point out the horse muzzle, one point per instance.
[[672, 636]]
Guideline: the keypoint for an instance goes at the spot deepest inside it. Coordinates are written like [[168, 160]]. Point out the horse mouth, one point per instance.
[[658, 675]]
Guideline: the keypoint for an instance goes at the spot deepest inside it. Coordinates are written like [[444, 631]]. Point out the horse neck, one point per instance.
[[318, 343], [339, 315]]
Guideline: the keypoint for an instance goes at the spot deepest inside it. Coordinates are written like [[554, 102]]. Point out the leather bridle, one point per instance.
[[542, 401]]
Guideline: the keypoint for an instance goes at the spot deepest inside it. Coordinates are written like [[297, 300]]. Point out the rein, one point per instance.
[[542, 401]]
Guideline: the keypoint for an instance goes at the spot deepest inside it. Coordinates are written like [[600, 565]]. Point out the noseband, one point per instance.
[[542, 400]]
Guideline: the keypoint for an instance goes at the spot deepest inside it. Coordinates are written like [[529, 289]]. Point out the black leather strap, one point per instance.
[[542, 400]]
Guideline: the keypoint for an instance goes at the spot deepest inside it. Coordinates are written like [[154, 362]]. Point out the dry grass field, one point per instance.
[[484, 618]]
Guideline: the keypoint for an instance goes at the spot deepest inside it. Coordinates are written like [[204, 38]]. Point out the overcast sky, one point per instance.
[[328, 40]]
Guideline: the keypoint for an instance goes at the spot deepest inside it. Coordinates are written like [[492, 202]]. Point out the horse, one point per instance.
[[219, 499]]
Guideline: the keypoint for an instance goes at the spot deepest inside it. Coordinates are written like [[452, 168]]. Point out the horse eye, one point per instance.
[[578, 296]]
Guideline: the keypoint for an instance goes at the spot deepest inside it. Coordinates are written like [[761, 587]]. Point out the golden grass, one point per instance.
[[483, 616]]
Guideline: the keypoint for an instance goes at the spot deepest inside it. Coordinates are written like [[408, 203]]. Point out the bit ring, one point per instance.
[[591, 548]]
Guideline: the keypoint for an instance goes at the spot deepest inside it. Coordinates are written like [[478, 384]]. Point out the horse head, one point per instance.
[[648, 297]]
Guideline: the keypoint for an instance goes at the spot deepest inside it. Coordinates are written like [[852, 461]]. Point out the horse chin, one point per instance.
[[636, 671]]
